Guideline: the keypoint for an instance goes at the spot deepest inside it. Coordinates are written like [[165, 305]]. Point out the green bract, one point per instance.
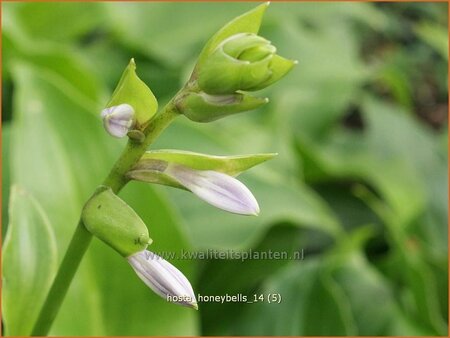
[[110, 219], [202, 107], [133, 91], [153, 165]]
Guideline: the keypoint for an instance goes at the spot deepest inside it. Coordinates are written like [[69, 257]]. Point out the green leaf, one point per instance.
[[373, 302], [243, 276], [61, 22], [246, 23], [29, 262], [133, 91], [435, 35], [191, 24], [311, 304], [6, 182], [63, 63]]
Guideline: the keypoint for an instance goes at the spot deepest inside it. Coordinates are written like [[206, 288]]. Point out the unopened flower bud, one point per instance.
[[118, 120], [218, 189], [242, 62], [163, 278]]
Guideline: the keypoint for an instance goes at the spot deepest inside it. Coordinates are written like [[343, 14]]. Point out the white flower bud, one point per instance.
[[216, 188], [118, 120], [163, 278]]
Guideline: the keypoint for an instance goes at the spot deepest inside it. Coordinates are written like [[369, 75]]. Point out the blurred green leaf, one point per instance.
[[6, 156], [29, 263], [312, 304], [372, 300], [54, 22], [435, 35], [244, 276], [138, 27], [394, 155], [62, 183], [63, 63]]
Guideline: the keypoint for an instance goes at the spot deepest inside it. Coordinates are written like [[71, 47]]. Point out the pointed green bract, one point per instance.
[[230, 165], [246, 23], [113, 221], [133, 91], [279, 67], [29, 263], [202, 107]]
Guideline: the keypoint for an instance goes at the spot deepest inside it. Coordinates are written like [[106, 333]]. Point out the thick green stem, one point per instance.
[[82, 237], [77, 247]]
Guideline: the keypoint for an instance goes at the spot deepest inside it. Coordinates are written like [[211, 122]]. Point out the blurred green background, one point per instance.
[[360, 183]]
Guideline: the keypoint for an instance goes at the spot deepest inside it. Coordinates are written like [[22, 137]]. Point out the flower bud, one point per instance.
[[218, 189], [163, 278], [113, 221], [118, 120], [242, 62]]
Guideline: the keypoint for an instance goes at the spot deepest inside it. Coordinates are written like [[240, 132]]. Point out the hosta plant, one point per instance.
[[233, 63]]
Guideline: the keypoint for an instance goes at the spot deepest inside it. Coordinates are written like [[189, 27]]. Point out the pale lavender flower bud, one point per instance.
[[216, 188], [118, 120], [163, 278]]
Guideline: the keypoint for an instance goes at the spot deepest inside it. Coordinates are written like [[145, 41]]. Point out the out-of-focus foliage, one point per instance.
[[360, 183]]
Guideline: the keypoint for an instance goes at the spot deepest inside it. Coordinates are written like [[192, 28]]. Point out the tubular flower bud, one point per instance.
[[242, 62], [163, 278], [216, 188], [118, 120]]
